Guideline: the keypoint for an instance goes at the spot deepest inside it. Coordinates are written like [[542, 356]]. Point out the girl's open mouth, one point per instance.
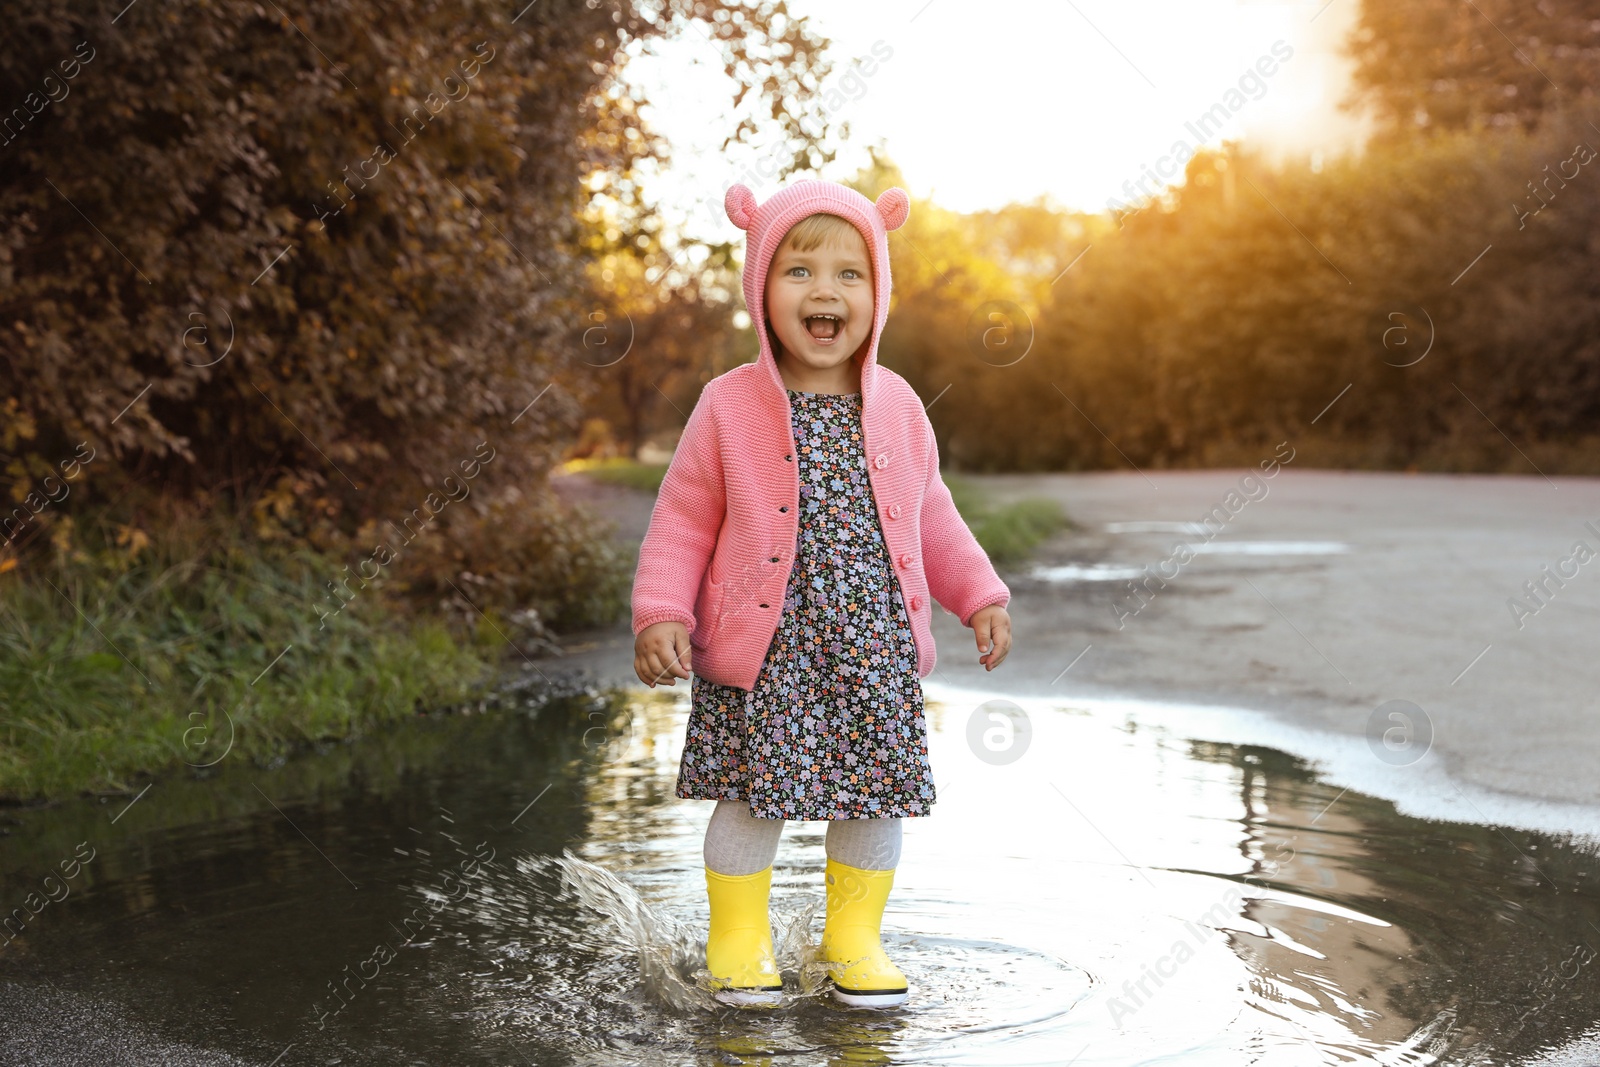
[[824, 329]]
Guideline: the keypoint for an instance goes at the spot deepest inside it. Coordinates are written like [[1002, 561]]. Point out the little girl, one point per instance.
[[800, 531]]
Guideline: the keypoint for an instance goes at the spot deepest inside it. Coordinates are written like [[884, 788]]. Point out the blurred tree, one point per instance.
[[655, 338], [1444, 64]]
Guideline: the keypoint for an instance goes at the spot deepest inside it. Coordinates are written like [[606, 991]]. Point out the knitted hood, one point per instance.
[[766, 224]]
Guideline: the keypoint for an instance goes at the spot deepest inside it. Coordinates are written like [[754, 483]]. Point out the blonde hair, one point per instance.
[[814, 231]]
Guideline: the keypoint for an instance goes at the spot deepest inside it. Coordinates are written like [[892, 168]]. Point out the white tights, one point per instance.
[[739, 843]]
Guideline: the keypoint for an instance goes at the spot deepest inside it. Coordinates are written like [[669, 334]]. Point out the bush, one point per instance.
[[550, 563]]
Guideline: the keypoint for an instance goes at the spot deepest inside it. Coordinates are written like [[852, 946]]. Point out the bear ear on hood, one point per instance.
[[893, 205], [740, 204]]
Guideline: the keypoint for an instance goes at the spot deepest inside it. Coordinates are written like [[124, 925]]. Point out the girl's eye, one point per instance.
[[797, 270], [852, 274]]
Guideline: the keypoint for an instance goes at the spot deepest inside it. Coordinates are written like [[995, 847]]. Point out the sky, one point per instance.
[[1066, 99]]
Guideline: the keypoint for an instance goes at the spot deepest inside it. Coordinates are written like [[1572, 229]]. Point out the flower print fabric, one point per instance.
[[834, 727]]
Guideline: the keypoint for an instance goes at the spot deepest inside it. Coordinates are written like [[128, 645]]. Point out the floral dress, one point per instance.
[[834, 727]]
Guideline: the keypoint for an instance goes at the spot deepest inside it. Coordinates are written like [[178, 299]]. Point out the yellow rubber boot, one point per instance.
[[861, 972], [739, 955]]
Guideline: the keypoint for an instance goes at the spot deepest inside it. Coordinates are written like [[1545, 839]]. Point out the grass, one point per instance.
[[202, 645], [621, 471], [1008, 533]]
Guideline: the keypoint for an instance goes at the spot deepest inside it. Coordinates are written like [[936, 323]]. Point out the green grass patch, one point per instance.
[[621, 471], [1008, 533], [204, 642]]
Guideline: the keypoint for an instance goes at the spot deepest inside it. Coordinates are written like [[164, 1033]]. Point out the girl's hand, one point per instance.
[[992, 627], [661, 651]]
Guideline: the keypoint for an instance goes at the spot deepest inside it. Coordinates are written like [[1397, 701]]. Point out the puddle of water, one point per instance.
[[1088, 572], [1151, 526], [1252, 548], [1273, 548], [525, 888], [1121, 572]]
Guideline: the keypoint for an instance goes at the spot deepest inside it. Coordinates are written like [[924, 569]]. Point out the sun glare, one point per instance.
[[1090, 104]]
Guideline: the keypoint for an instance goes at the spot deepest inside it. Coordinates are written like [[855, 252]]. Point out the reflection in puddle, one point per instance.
[[1088, 572], [1273, 548], [1122, 572], [1152, 526], [1255, 548], [1117, 895]]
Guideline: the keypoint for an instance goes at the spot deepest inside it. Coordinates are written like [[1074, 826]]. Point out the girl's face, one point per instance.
[[820, 303]]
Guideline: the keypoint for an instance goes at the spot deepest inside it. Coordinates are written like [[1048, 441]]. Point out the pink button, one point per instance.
[[883, 460], [905, 561], [916, 603], [894, 511]]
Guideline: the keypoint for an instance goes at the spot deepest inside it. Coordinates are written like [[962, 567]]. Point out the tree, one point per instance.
[[1444, 64]]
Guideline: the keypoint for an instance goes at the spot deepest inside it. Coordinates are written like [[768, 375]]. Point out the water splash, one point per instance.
[[671, 955]]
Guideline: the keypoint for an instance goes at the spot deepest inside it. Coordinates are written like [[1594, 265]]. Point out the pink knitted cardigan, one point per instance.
[[723, 535]]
